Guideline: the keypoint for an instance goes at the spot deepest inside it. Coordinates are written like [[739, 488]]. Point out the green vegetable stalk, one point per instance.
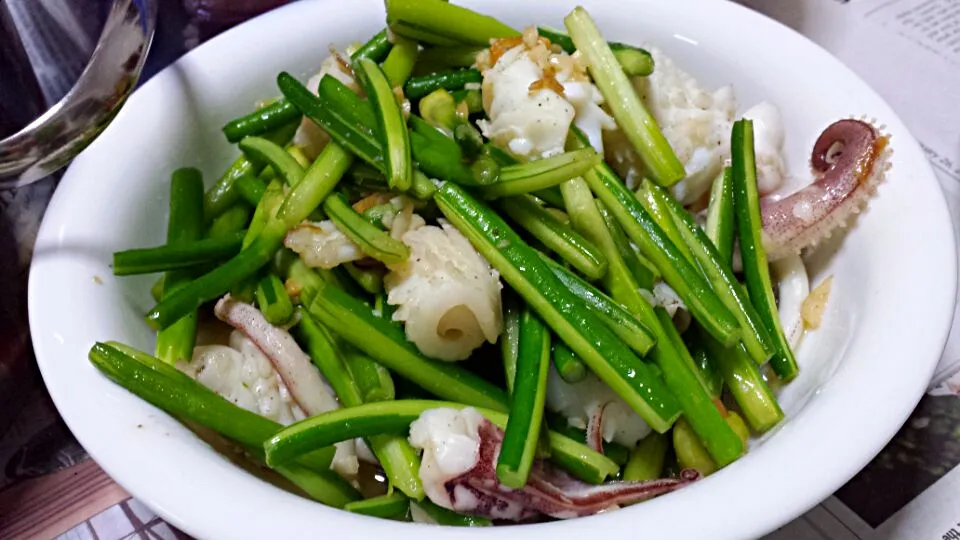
[[185, 225], [526, 403]]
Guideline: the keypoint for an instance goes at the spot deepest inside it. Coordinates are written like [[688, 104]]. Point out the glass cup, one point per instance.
[[39, 139]]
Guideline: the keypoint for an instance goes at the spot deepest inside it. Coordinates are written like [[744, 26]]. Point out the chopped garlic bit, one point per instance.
[[368, 202], [813, 306]]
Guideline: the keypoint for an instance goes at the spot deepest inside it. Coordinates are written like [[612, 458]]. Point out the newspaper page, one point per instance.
[[909, 52]]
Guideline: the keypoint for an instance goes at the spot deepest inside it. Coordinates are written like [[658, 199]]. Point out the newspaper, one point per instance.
[[909, 52]]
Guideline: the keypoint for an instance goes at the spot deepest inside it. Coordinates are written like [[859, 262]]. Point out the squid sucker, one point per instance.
[[549, 491], [849, 160]]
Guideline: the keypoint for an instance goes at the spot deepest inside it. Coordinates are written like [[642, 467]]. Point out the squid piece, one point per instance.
[[768, 137], [793, 287], [582, 402], [458, 469], [307, 386], [695, 120], [666, 297], [322, 245], [243, 375], [310, 137], [446, 293], [595, 428], [532, 95]]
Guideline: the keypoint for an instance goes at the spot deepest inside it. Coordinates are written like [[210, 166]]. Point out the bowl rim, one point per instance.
[[852, 459]]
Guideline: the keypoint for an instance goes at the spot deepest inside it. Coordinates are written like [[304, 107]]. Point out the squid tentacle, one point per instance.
[[549, 491], [595, 429], [849, 161]]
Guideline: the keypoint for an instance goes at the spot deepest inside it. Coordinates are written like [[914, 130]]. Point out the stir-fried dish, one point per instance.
[[474, 275]]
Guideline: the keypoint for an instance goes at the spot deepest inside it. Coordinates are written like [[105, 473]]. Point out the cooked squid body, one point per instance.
[[310, 137], [768, 138], [458, 471], [322, 244], [529, 125], [269, 358], [580, 401], [305, 382], [243, 375], [590, 117], [450, 442], [447, 295], [695, 121], [532, 95], [664, 296]]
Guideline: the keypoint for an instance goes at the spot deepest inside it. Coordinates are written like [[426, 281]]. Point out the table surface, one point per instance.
[[48, 486]]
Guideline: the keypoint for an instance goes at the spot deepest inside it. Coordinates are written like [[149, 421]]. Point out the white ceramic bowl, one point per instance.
[[888, 316]]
